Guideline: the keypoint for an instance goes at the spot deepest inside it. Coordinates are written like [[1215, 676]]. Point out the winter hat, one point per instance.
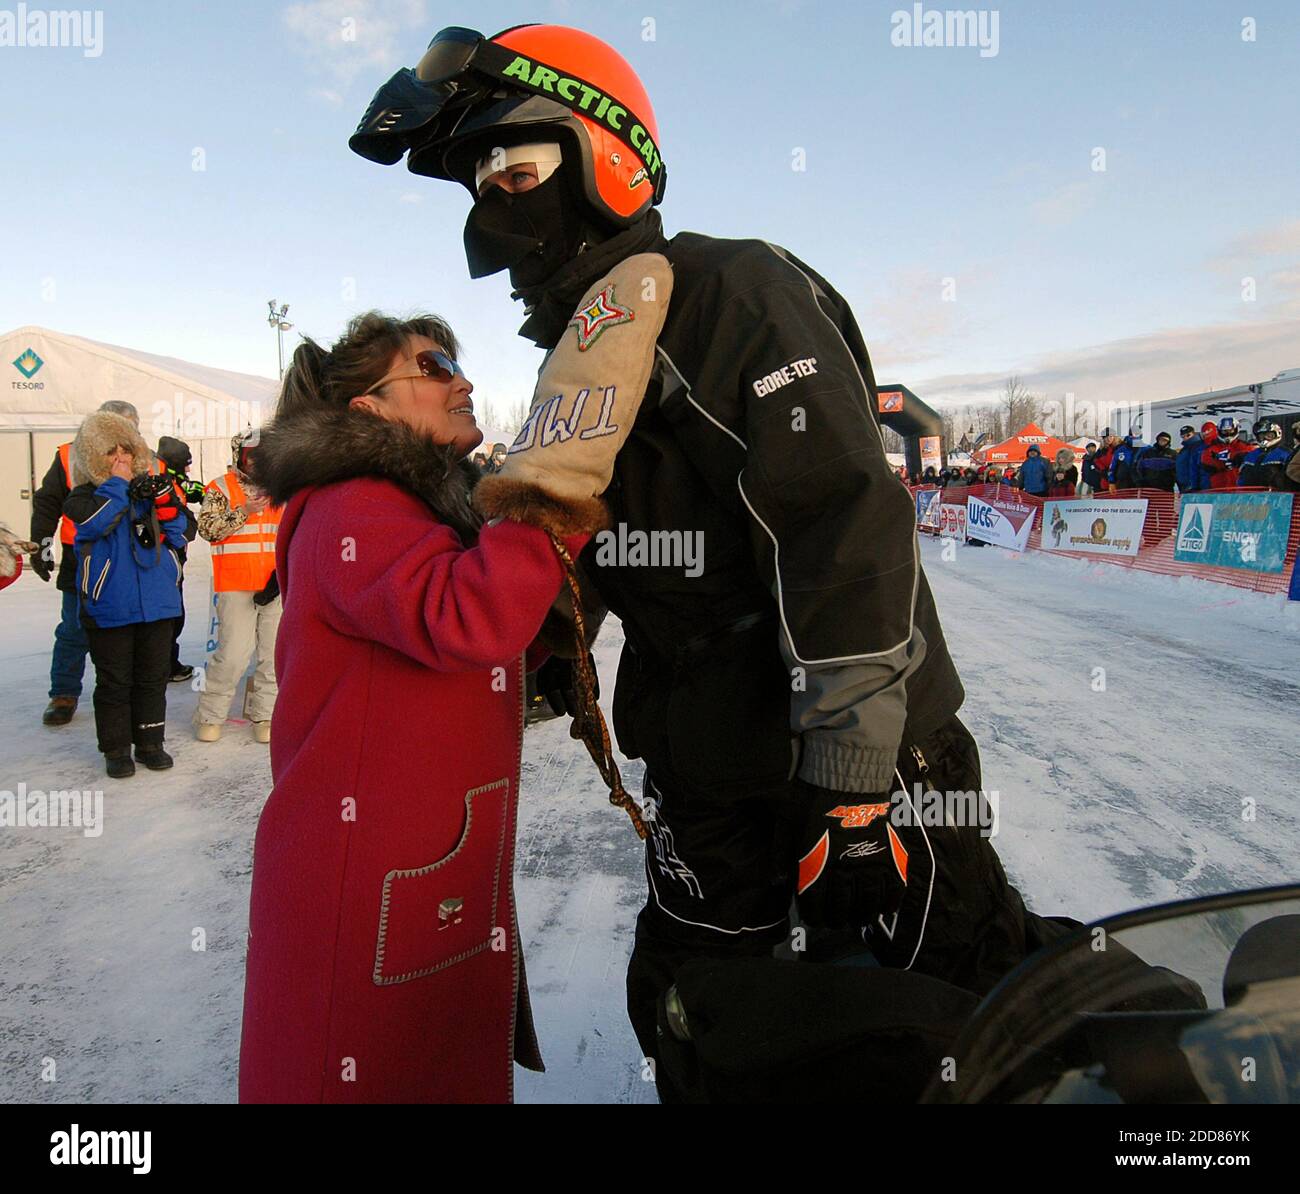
[[174, 453], [97, 438]]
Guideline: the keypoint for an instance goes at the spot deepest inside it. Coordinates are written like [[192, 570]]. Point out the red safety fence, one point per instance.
[[1156, 553]]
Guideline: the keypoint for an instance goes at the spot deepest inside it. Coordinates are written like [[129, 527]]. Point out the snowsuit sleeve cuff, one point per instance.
[[843, 767]]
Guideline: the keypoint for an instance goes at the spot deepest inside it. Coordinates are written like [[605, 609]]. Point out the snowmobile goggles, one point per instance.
[[429, 363], [462, 72]]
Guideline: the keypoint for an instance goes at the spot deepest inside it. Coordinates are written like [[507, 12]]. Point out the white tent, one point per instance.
[[53, 380]]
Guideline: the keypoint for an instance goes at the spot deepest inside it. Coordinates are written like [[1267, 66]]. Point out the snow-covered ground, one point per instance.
[[1111, 795]]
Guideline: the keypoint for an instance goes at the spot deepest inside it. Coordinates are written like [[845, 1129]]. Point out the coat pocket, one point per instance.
[[434, 916]]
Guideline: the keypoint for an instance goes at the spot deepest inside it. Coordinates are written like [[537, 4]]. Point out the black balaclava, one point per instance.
[[554, 245], [531, 234]]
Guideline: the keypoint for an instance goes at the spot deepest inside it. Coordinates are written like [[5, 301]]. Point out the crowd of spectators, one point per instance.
[[1216, 457]]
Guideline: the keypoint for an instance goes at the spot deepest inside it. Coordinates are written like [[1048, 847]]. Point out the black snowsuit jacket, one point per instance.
[[809, 642]]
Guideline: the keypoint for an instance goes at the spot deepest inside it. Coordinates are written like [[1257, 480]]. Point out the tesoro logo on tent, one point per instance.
[[28, 364]]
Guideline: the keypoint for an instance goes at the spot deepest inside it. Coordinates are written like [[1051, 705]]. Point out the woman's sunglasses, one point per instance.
[[429, 363]]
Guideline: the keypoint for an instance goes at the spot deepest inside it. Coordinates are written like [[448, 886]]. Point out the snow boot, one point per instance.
[[118, 763], [182, 672], [154, 757], [261, 731], [207, 732], [59, 711]]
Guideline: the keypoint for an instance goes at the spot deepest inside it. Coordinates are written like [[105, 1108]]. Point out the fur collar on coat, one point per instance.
[[319, 447]]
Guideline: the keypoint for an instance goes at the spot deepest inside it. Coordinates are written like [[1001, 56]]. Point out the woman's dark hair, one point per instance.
[[321, 379]]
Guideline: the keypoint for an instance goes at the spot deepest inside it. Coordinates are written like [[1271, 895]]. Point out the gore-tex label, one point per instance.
[[804, 367]]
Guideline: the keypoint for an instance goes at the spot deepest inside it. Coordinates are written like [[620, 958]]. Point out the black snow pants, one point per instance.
[[131, 671], [721, 871]]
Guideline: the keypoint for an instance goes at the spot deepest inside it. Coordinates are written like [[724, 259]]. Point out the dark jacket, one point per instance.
[[1156, 468], [1191, 477], [47, 513], [1265, 468], [810, 557], [1120, 474], [1090, 475]]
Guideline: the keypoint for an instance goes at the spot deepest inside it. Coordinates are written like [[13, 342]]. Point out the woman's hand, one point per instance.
[[121, 468]]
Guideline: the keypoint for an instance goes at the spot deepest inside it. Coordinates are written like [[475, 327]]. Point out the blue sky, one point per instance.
[[922, 164]]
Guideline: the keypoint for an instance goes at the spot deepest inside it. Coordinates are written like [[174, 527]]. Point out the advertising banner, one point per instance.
[[1234, 530], [927, 508], [952, 521], [1103, 528], [1005, 524], [931, 456]]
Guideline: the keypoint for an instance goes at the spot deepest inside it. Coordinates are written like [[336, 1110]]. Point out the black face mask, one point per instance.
[[531, 233]]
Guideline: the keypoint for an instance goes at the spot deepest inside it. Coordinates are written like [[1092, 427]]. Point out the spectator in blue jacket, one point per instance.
[[1089, 474], [1035, 474], [1264, 466], [128, 585], [1121, 472], [1187, 468], [1155, 465]]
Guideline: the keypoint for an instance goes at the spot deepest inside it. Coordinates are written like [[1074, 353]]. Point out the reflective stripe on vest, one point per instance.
[[67, 528], [242, 562]]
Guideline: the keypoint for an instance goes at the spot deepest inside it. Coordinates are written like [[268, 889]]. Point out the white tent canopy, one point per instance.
[[52, 380]]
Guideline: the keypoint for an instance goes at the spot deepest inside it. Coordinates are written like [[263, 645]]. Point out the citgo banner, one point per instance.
[[1104, 528], [1234, 530]]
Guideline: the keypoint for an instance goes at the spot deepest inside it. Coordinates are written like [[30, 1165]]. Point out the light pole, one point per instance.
[[277, 320]]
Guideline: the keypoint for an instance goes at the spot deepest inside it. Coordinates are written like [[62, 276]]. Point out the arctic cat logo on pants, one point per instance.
[[858, 816]]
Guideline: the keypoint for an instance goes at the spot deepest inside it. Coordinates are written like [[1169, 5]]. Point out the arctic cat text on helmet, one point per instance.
[[529, 83]]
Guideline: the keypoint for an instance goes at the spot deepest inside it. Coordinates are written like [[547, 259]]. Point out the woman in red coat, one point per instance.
[[383, 959]]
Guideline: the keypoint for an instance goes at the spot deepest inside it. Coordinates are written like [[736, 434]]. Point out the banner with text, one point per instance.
[[1234, 530], [952, 521], [1003, 523], [1104, 528]]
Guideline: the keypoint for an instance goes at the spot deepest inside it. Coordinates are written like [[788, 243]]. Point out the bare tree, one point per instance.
[[1019, 405]]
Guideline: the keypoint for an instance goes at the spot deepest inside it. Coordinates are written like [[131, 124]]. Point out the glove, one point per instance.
[[41, 566], [12, 550], [584, 405], [852, 864], [165, 504], [555, 682]]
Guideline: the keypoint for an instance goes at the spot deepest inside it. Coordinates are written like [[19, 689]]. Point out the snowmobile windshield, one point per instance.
[[1194, 1002]]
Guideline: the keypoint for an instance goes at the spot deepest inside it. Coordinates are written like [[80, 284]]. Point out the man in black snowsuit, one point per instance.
[[783, 692]]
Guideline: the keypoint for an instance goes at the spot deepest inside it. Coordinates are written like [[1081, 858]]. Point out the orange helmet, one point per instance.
[[470, 94]]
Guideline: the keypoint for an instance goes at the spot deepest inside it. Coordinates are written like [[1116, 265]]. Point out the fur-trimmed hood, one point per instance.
[[1064, 459], [299, 451], [97, 437]]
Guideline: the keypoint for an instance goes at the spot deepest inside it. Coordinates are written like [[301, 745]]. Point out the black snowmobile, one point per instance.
[[1191, 1002]]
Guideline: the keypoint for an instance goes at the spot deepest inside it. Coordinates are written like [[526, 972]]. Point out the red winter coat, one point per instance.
[[383, 961], [1101, 462], [1222, 460]]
